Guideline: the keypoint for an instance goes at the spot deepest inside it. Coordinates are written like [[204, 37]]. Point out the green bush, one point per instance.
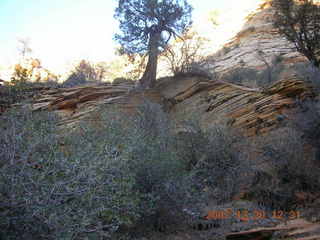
[[60, 192], [160, 174], [20, 88], [93, 181], [113, 174]]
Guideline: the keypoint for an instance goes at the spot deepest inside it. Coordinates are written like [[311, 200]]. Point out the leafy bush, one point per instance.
[[55, 191], [91, 182], [20, 88], [113, 174], [160, 174]]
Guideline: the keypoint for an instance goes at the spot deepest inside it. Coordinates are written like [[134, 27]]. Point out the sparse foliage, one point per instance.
[[213, 17], [216, 158], [24, 47], [244, 75], [135, 65], [16, 90], [309, 73], [253, 78], [185, 52], [272, 70], [85, 72], [278, 182]]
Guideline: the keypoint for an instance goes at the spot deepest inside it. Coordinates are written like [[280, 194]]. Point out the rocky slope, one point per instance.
[[254, 111], [257, 34]]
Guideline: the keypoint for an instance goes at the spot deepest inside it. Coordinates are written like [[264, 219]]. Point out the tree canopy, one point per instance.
[[147, 26], [299, 22]]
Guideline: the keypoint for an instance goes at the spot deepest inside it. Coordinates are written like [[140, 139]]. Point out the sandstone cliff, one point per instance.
[[256, 110], [257, 34]]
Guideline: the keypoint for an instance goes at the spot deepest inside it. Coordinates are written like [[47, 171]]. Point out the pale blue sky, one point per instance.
[[63, 30]]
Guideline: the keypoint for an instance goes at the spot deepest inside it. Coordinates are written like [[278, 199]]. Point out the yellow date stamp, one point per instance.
[[247, 215]]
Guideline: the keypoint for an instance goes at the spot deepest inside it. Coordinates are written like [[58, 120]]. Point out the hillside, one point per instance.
[[273, 178], [253, 110], [257, 34]]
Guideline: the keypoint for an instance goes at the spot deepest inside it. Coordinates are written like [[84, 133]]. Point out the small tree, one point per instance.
[[184, 52], [272, 71], [213, 17], [24, 47], [147, 26], [299, 22], [84, 72]]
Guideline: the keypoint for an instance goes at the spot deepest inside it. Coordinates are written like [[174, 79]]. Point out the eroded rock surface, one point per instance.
[[257, 34], [255, 111]]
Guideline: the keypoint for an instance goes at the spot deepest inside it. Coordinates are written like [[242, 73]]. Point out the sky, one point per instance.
[[61, 31]]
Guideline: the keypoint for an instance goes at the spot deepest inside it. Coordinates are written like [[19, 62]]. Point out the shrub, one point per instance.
[[200, 69], [252, 78], [18, 88], [83, 73], [217, 160], [160, 174], [91, 182], [112, 174], [272, 70], [283, 177], [226, 50], [122, 80], [309, 73], [186, 54], [53, 191], [242, 75]]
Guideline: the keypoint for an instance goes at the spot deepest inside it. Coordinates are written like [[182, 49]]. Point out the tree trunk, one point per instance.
[[148, 79]]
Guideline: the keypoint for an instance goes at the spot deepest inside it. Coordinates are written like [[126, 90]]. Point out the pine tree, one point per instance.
[[147, 26]]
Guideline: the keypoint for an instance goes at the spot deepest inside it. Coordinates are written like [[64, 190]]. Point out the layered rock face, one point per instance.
[[257, 34], [255, 110], [252, 110]]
